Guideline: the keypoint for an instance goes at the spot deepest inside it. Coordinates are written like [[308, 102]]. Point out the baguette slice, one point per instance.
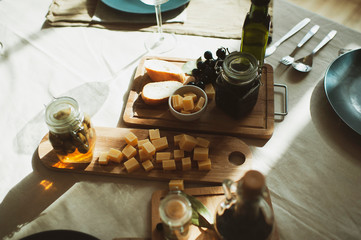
[[155, 93], [159, 70]]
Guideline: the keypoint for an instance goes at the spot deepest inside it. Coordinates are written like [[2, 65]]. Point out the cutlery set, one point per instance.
[[303, 64]]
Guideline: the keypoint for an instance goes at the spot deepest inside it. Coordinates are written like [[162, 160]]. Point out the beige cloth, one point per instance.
[[211, 18]]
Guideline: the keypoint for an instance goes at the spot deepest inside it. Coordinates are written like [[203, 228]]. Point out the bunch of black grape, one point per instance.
[[208, 70]]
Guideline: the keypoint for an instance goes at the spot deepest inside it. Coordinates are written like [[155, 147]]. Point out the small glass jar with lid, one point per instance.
[[238, 83], [175, 211], [70, 131]]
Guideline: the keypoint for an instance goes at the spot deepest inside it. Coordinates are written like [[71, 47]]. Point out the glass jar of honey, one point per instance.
[[238, 83], [70, 131]]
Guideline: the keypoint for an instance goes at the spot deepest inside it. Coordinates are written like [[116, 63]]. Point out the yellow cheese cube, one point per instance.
[[205, 165], [193, 95], [186, 163], [209, 89], [178, 154], [199, 104], [160, 143], [154, 134], [169, 164], [177, 138], [202, 142], [103, 160], [177, 102], [131, 139], [187, 143], [143, 155], [176, 185], [129, 151], [188, 103], [185, 112], [141, 142], [115, 155], [149, 148], [200, 154], [131, 165], [160, 156], [147, 165]]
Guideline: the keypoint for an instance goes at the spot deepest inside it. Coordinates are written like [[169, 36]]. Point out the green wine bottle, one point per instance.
[[256, 29]]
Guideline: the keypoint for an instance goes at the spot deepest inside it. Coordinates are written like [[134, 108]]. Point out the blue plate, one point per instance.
[[342, 85], [136, 6]]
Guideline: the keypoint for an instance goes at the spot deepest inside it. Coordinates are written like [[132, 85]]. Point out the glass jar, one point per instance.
[[176, 214], [237, 85], [245, 214], [70, 131]]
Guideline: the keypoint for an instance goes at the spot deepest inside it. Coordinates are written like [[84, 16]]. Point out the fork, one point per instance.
[[288, 60]]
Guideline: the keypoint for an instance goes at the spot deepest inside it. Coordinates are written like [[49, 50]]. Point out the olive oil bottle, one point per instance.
[[256, 29]]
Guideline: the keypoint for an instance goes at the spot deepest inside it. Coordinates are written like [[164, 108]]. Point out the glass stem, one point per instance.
[[158, 15]]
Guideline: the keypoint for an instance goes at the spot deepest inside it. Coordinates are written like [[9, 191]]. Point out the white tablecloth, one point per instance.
[[312, 162]]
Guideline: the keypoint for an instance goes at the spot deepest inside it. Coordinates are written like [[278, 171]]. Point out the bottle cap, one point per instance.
[[253, 184], [260, 2]]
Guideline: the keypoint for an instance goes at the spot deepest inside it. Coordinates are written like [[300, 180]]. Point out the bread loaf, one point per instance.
[[154, 93], [159, 70]]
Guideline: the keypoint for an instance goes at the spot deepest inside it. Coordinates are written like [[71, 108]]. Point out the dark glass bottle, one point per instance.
[[256, 29], [245, 215]]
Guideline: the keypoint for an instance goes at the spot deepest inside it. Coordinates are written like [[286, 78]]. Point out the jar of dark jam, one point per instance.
[[237, 85], [70, 131]]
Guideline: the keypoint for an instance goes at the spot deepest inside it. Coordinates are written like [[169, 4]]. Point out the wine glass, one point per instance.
[[159, 42]]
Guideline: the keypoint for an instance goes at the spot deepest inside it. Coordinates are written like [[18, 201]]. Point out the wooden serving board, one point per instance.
[[259, 123], [221, 147], [210, 197]]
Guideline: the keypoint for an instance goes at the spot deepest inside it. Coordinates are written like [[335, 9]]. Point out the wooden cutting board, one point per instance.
[[258, 124], [210, 197], [222, 148]]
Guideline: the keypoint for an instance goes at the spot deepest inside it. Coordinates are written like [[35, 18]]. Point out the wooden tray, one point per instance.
[[259, 123], [210, 197], [220, 149]]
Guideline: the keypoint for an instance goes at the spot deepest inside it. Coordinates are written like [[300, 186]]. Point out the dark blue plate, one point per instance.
[[343, 88], [60, 235], [136, 6]]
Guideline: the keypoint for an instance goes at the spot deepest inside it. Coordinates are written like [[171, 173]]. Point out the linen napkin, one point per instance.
[[211, 18]]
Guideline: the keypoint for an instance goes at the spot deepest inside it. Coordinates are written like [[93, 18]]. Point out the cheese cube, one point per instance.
[[115, 155], [177, 138], [177, 102], [131, 165], [154, 134], [143, 155], [169, 164], [187, 143], [186, 163], [129, 151], [160, 143], [147, 165], [199, 104], [178, 154], [131, 139], [200, 154], [149, 148], [193, 95], [188, 103], [141, 143], [202, 142], [160, 156], [205, 165], [176, 185], [209, 89], [103, 160], [185, 112]]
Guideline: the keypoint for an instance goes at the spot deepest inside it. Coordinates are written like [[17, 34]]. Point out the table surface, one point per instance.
[[312, 162]]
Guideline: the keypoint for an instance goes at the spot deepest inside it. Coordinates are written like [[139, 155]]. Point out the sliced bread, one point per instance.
[[155, 93], [160, 70]]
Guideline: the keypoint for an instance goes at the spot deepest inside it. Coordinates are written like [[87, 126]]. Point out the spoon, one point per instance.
[[271, 49], [305, 64]]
